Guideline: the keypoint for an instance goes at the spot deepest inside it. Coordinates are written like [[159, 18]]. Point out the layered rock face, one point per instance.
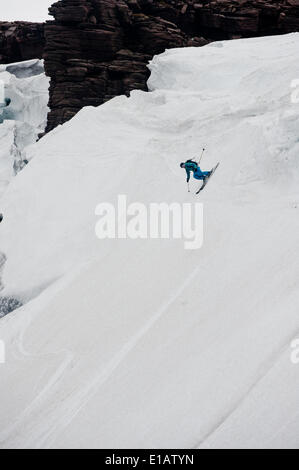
[[21, 41], [226, 19], [97, 49]]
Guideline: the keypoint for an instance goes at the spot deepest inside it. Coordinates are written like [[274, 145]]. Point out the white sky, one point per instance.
[[28, 10]]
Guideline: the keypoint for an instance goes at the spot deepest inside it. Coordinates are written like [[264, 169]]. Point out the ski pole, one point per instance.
[[201, 155], [188, 186]]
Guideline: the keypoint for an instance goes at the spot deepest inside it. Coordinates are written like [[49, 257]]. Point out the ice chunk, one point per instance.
[[23, 113]]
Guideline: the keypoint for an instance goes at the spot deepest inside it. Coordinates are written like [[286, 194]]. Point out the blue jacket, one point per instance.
[[190, 166]]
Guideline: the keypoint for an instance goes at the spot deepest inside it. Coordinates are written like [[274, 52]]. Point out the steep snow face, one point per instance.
[[25, 85], [142, 343]]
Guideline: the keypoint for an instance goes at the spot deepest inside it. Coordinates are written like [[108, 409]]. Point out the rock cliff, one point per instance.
[[97, 49], [21, 41]]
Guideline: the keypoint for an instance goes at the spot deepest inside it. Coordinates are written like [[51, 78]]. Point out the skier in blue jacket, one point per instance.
[[193, 166]]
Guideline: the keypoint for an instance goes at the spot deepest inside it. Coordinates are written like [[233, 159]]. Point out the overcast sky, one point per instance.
[[29, 10]]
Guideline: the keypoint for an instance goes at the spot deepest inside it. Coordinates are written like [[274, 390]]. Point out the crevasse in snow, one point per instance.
[[23, 112], [25, 87]]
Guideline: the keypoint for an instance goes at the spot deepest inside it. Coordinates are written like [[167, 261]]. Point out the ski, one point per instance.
[[207, 179]]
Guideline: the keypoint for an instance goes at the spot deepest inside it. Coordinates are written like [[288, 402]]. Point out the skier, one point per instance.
[[198, 174]]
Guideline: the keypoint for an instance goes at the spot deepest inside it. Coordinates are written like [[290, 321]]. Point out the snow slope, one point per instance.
[[26, 85], [142, 343]]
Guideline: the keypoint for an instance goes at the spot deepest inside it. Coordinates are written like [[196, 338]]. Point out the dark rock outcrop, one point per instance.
[[224, 19], [8, 305], [97, 49], [20, 41]]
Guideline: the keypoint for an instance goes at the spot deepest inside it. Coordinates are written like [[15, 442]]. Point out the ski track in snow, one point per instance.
[[42, 439], [266, 368]]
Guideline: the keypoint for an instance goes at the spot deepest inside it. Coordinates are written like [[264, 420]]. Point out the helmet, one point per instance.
[[182, 165]]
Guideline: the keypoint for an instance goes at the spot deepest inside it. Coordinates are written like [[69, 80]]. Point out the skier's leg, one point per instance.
[[201, 175], [198, 176], [205, 176]]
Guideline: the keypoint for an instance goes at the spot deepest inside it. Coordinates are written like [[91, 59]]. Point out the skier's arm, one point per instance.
[[198, 163], [188, 174]]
